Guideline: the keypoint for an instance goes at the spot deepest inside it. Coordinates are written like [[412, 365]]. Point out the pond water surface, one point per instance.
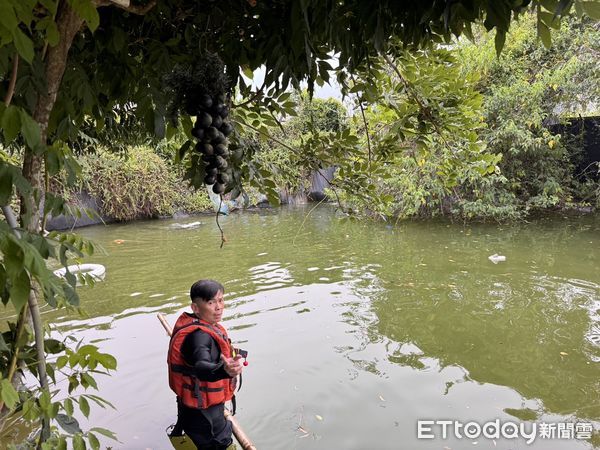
[[357, 330]]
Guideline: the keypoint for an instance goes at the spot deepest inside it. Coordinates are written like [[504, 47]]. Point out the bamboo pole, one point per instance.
[[238, 432]]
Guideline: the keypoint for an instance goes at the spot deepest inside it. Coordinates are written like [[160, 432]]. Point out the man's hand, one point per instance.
[[233, 366]]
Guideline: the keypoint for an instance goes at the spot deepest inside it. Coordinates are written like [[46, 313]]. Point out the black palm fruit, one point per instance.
[[226, 128], [221, 109], [218, 188], [221, 163], [205, 101], [211, 133], [220, 149], [210, 159], [204, 120], [223, 178], [219, 139], [209, 179], [207, 149], [217, 121], [198, 132]]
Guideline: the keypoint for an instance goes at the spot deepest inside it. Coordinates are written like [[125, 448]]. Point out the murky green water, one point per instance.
[[357, 330]]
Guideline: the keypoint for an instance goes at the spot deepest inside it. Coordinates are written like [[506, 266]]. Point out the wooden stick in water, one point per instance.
[[238, 432]]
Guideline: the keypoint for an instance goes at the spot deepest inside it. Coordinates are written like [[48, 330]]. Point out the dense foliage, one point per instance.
[[141, 185], [483, 147], [543, 87]]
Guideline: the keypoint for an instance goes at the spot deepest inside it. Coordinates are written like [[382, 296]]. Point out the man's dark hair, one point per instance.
[[205, 290]]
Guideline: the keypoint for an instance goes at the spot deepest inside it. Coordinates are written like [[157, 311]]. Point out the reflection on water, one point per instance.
[[357, 330]]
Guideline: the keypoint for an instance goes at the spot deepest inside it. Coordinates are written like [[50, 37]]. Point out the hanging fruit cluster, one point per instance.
[[211, 130], [201, 91]]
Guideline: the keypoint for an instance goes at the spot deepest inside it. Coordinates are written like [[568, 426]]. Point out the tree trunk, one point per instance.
[[68, 23], [32, 206]]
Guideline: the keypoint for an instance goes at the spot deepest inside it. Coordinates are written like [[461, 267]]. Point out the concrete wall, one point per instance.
[[82, 201]]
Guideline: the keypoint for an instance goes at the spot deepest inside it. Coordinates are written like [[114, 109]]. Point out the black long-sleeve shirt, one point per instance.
[[202, 352]]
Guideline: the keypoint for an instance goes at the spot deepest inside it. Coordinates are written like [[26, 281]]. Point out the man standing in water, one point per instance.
[[203, 368]]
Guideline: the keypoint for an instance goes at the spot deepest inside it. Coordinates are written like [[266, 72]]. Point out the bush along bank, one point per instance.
[[138, 185]]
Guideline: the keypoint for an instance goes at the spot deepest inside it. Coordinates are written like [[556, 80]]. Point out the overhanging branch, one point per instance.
[[125, 5]]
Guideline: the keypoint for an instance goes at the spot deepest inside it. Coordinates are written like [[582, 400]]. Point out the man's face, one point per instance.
[[210, 311]]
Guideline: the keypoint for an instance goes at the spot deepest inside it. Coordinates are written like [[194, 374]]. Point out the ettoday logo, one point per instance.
[[496, 429]]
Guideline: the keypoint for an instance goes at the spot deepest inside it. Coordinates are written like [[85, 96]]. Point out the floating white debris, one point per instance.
[[156, 295], [96, 271], [262, 254], [312, 269], [186, 225], [135, 294], [496, 258]]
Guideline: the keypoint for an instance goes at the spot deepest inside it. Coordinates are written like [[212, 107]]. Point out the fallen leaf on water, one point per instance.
[[303, 430], [303, 436], [564, 354], [381, 398], [318, 417]]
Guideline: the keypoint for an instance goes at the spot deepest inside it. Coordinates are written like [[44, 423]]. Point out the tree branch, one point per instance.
[[139, 10], [251, 99], [364, 118], [13, 80], [267, 135]]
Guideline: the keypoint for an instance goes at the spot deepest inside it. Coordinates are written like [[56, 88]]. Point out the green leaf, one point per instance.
[[73, 383], [68, 405], [23, 44], [11, 123], [247, 72], [180, 154], [499, 40], [53, 346], [52, 35], [550, 19], [30, 129], [87, 380], [62, 361], [592, 9], [107, 360], [10, 397], [78, 442], [544, 33], [104, 432], [84, 406], [94, 442], [19, 291], [68, 423], [103, 403], [3, 346], [7, 16], [5, 186], [87, 11]]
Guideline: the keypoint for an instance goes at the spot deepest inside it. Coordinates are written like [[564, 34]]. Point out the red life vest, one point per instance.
[[195, 393]]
